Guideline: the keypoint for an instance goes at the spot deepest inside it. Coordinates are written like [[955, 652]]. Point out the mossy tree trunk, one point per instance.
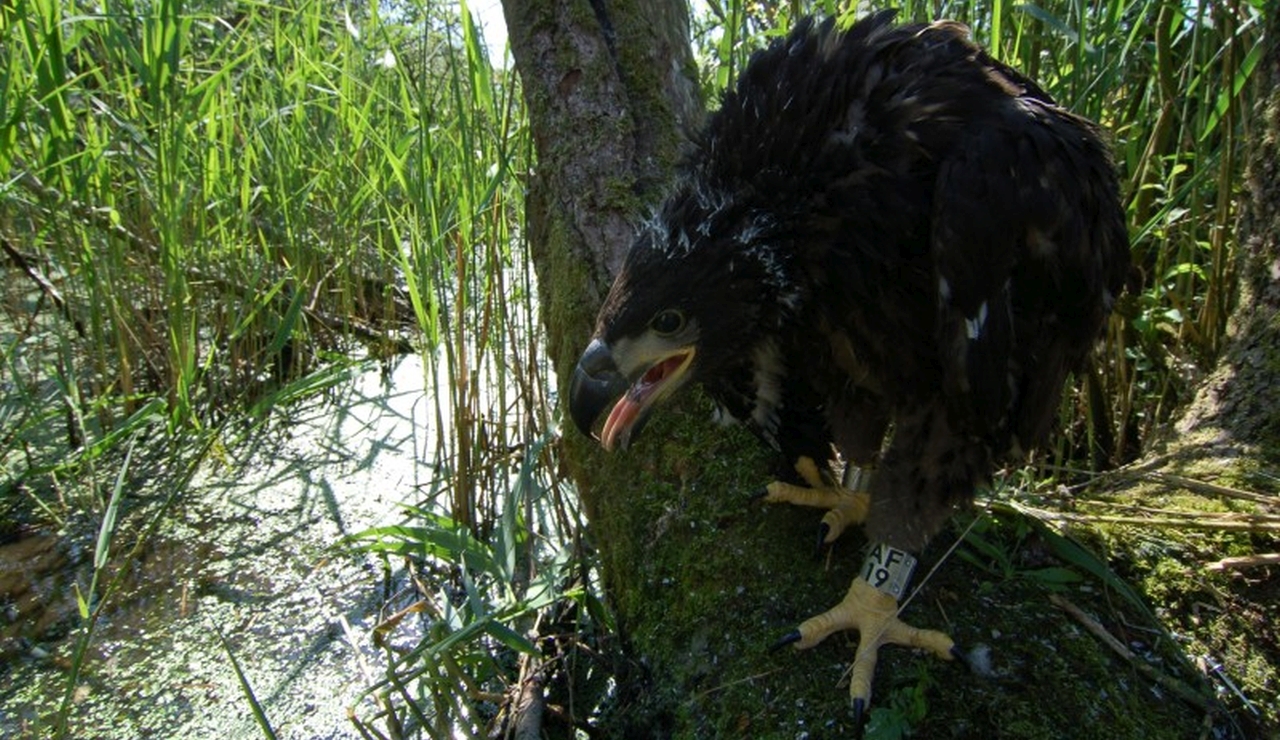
[[692, 566], [1229, 436], [1237, 412], [701, 579]]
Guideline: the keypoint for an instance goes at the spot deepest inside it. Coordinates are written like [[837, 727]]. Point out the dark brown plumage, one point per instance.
[[884, 239]]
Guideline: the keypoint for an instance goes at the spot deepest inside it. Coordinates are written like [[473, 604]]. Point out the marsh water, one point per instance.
[[248, 552]]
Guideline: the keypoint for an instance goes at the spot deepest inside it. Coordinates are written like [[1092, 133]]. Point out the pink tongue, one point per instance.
[[628, 408], [623, 414]]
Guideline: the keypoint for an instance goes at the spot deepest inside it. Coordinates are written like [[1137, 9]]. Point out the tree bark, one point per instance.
[[687, 558], [612, 93], [701, 579]]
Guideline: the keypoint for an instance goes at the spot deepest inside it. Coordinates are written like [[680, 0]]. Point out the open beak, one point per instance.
[[597, 382]]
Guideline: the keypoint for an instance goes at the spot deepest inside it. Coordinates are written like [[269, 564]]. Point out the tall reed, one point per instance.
[[216, 200], [210, 209]]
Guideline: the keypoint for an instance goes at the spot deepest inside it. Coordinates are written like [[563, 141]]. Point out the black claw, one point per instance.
[[760, 493], [791, 637], [859, 708], [961, 656]]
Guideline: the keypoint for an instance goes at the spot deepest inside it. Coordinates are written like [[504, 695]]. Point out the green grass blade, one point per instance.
[[259, 715]]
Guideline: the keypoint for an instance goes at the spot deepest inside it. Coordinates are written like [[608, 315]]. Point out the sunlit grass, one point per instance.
[[208, 203], [212, 210]]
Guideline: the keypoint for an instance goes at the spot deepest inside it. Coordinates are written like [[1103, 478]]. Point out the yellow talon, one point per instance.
[[844, 506], [875, 615]]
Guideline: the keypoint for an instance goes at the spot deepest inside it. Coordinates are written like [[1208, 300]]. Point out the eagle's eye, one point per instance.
[[667, 322]]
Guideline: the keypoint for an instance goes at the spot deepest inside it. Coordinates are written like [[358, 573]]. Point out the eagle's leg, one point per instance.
[[873, 611], [845, 505]]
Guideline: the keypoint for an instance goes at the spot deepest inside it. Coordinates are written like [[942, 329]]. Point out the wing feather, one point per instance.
[[1029, 247]]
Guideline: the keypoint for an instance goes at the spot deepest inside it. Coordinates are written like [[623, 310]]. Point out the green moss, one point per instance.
[[723, 577], [1231, 618]]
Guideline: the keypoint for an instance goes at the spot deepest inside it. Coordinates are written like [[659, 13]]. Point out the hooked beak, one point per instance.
[[597, 382]]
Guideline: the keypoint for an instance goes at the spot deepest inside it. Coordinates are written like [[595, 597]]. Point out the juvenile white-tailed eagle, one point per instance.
[[886, 241]]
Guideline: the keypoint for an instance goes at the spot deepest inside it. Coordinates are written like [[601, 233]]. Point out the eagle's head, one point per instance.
[[704, 282]]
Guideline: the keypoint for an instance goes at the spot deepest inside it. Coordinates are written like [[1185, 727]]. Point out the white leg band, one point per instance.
[[857, 478], [889, 569]]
